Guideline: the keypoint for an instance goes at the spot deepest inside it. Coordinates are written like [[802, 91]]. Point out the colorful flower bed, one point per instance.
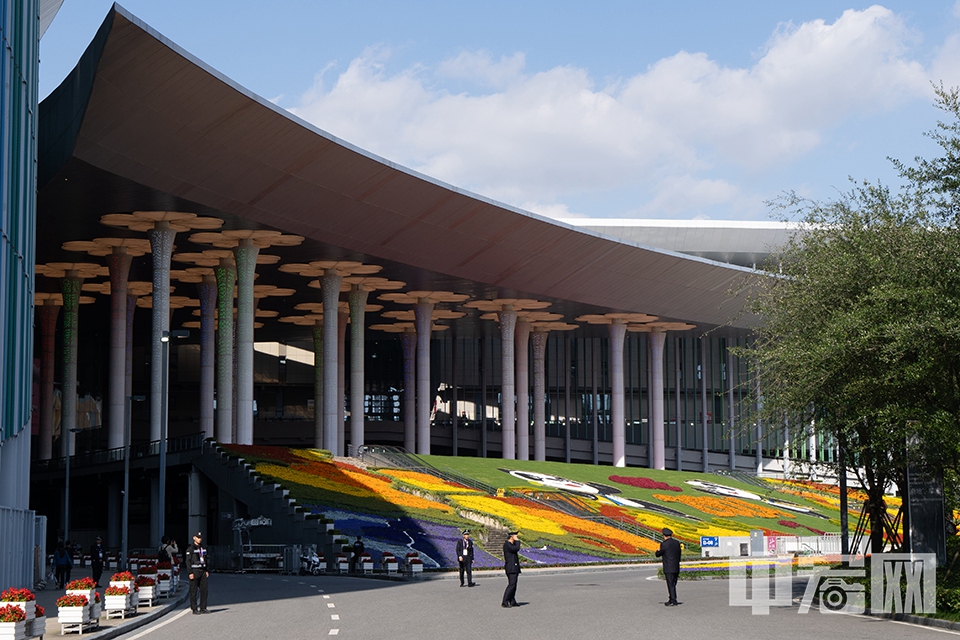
[[644, 483]]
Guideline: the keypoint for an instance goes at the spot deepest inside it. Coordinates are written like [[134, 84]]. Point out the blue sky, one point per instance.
[[607, 109]]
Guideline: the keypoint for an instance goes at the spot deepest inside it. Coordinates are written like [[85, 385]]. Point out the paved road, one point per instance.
[[556, 606]]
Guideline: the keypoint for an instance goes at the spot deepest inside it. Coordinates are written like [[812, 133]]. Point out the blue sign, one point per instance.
[[709, 541]]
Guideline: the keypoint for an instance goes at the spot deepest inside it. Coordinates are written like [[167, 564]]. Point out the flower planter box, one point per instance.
[[95, 610], [343, 566], [391, 566], [73, 615], [122, 583], [28, 606], [13, 630], [164, 587], [147, 594], [367, 565], [86, 593]]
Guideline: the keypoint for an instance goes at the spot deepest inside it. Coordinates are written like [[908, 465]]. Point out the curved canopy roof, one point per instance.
[[142, 125]]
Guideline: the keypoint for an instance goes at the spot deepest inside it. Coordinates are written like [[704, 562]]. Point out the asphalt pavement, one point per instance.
[[615, 602]]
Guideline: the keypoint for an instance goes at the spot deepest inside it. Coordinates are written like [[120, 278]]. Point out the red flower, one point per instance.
[[17, 595], [12, 613]]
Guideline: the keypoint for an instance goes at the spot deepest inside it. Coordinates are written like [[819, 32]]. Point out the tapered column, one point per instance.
[[318, 440], [732, 445], [119, 264], [539, 342], [508, 321], [161, 247], [48, 333], [408, 342], [424, 323], [330, 288], [617, 331], [246, 256], [207, 288], [656, 340], [70, 286], [128, 368], [358, 306], [226, 274], [343, 319], [523, 387]]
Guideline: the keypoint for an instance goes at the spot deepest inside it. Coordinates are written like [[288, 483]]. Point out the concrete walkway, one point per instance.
[[113, 627]]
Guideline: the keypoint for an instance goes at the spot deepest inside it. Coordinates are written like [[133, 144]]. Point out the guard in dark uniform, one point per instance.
[[670, 552], [196, 561], [465, 558], [511, 565], [97, 557]]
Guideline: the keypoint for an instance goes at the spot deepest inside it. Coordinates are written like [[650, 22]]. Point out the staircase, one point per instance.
[[291, 523], [493, 541]]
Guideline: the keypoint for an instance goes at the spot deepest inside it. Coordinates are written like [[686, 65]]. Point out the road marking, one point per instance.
[[334, 632], [334, 616], [330, 605], [325, 597], [165, 622]]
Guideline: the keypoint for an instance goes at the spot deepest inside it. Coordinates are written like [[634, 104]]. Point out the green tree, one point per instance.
[[859, 334]]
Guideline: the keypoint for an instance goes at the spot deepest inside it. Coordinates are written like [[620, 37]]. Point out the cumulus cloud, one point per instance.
[[669, 134]]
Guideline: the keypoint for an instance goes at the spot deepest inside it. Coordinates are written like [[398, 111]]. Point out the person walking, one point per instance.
[[670, 552], [97, 556], [511, 566], [196, 560], [465, 558], [61, 565]]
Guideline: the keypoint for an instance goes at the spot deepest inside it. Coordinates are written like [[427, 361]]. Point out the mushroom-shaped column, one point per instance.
[[617, 323], [408, 342], [48, 306], [71, 276], [315, 322], [331, 274], [246, 245], [506, 309], [161, 228], [424, 314], [657, 332], [119, 253], [539, 341], [360, 287]]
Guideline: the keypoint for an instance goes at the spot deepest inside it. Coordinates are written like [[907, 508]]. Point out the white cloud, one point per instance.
[[672, 132]]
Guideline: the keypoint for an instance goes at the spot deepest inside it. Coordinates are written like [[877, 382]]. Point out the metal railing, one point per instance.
[[192, 442]]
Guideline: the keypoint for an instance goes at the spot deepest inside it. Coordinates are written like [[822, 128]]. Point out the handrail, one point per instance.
[[189, 442]]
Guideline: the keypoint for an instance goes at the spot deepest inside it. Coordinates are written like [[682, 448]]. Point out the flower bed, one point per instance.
[[644, 483]]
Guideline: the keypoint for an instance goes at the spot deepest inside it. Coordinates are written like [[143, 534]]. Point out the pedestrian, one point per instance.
[[97, 556], [196, 560], [511, 565], [358, 550], [465, 558], [61, 565], [69, 548], [670, 552]]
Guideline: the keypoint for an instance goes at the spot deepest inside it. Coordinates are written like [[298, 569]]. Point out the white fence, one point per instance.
[[17, 552]]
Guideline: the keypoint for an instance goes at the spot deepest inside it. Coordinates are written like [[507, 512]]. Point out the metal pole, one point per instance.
[[65, 433], [164, 382], [126, 483]]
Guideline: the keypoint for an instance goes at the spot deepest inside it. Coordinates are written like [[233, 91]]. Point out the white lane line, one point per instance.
[[165, 622], [334, 616], [334, 632], [330, 605], [326, 597]]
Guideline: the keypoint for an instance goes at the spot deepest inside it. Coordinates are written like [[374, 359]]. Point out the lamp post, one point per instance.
[[126, 479], [164, 391]]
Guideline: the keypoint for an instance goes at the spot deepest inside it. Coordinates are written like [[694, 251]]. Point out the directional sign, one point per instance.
[[709, 541]]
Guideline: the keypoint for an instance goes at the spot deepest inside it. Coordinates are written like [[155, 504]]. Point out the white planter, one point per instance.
[[122, 583], [416, 568], [13, 630], [148, 593], [116, 603], [73, 615], [343, 566], [367, 566], [95, 610], [29, 607], [164, 587], [392, 566]]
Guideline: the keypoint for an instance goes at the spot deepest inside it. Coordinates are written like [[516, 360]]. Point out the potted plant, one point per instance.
[[13, 623], [148, 588], [365, 562], [116, 599], [389, 562], [164, 583], [82, 587], [415, 564], [22, 598], [73, 609]]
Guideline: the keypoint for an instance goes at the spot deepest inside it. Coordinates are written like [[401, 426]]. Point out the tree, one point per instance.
[[860, 333]]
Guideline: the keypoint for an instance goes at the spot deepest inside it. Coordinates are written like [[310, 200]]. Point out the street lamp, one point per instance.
[[164, 392], [126, 478]]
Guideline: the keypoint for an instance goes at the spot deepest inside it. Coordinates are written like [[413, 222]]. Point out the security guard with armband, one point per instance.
[[196, 561]]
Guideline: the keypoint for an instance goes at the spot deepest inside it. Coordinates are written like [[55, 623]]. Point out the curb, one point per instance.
[[921, 621], [138, 621]]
